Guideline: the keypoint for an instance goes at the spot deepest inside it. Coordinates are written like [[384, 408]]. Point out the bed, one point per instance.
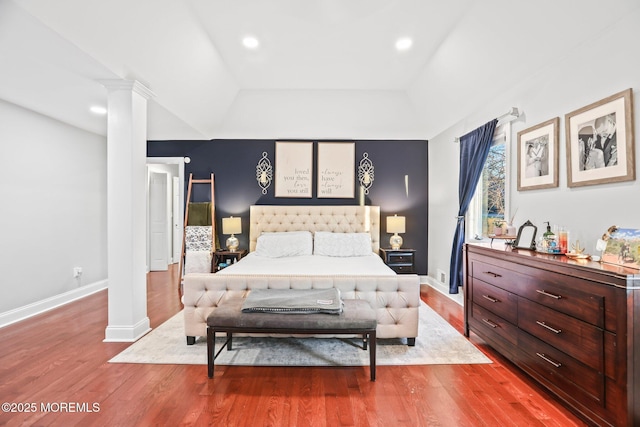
[[344, 255]]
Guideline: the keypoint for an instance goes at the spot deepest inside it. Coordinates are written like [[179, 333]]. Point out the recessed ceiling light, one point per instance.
[[96, 109], [404, 43], [250, 42]]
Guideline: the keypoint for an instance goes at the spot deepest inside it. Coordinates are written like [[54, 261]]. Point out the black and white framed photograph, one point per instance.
[[600, 142], [538, 156], [336, 169], [294, 169]]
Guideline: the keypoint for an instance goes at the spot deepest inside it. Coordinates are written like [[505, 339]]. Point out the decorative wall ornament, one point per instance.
[[365, 173], [264, 172]]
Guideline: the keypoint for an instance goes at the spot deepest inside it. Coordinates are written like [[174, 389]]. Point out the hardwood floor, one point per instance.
[[56, 362]]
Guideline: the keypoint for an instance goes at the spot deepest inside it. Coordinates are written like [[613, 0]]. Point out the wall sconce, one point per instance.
[[395, 225], [365, 173], [232, 225], [264, 172]]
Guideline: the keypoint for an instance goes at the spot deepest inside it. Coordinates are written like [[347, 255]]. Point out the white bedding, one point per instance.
[[311, 265]]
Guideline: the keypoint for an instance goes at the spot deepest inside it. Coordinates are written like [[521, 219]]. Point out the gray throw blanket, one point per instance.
[[293, 301]]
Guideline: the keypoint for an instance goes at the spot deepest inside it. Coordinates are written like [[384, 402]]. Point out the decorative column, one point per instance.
[[126, 210]]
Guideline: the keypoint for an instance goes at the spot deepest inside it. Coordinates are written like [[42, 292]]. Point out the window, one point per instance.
[[490, 202]]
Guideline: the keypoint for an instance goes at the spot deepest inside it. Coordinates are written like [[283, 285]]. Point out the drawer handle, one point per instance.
[[491, 273], [546, 359], [490, 323], [544, 325], [548, 294], [489, 298]]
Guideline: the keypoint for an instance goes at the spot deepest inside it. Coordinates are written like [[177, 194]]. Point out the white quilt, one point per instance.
[[311, 265]]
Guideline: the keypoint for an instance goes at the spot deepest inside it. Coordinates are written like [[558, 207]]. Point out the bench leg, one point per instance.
[[191, 340], [372, 354], [365, 338], [229, 343], [211, 348], [411, 342]]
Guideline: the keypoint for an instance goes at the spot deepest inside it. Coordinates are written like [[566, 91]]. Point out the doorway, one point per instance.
[[165, 211]]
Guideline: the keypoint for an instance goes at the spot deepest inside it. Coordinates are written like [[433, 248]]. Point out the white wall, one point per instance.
[[53, 186], [600, 67], [363, 114]]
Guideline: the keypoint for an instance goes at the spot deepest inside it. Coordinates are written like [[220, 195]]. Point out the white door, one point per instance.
[[158, 222], [176, 219]]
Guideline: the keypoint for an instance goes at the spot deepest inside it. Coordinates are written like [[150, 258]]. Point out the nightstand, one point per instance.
[[224, 256], [402, 261]]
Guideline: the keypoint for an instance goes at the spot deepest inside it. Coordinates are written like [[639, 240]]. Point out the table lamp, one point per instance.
[[232, 225], [395, 225]]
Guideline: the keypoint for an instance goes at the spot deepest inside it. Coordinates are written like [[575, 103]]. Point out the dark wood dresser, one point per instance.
[[569, 324]]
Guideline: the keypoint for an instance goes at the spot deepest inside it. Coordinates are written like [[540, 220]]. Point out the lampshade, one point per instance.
[[395, 224], [231, 225]]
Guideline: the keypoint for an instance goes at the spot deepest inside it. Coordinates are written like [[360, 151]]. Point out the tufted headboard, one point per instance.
[[341, 219]]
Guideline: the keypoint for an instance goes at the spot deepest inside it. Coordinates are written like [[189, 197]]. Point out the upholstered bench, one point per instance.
[[357, 318]]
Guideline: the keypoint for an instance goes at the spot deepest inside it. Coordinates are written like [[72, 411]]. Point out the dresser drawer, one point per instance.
[[490, 323], [568, 299], [495, 275], [561, 370], [496, 300], [578, 339]]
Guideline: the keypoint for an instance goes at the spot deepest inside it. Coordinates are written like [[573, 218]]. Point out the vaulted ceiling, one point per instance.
[[334, 59]]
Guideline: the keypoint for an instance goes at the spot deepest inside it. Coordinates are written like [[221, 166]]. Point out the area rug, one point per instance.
[[438, 343]]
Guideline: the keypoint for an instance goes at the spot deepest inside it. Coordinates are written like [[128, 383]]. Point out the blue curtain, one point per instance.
[[474, 149]]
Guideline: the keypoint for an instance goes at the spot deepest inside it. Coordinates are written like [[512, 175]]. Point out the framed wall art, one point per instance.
[[600, 142], [294, 169], [538, 156], [336, 169]]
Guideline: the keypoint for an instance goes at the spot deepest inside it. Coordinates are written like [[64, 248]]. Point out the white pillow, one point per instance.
[[284, 243], [342, 244]]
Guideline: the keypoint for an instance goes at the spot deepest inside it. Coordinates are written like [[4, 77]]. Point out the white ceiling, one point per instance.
[[335, 55]]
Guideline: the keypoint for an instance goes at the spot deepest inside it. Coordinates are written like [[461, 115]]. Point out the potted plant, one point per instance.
[[497, 226]]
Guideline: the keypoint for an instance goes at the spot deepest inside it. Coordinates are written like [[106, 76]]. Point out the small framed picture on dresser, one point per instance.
[[623, 248]]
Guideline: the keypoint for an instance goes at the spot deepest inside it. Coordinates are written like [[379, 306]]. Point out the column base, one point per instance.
[[126, 333]]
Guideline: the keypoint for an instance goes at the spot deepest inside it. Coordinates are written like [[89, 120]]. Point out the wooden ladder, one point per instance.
[[192, 181]]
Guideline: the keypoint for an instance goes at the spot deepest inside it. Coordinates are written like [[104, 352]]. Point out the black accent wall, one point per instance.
[[233, 162]]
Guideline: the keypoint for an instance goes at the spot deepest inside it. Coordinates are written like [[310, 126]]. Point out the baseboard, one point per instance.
[[127, 333], [443, 289], [30, 310]]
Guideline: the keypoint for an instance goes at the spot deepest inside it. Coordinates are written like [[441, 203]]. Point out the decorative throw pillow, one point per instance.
[[198, 238], [342, 244], [284, 244]]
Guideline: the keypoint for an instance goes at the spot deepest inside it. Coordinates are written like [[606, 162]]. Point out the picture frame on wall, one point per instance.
[[336, 170], [538, 156], [294, 169], [600, 142]]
